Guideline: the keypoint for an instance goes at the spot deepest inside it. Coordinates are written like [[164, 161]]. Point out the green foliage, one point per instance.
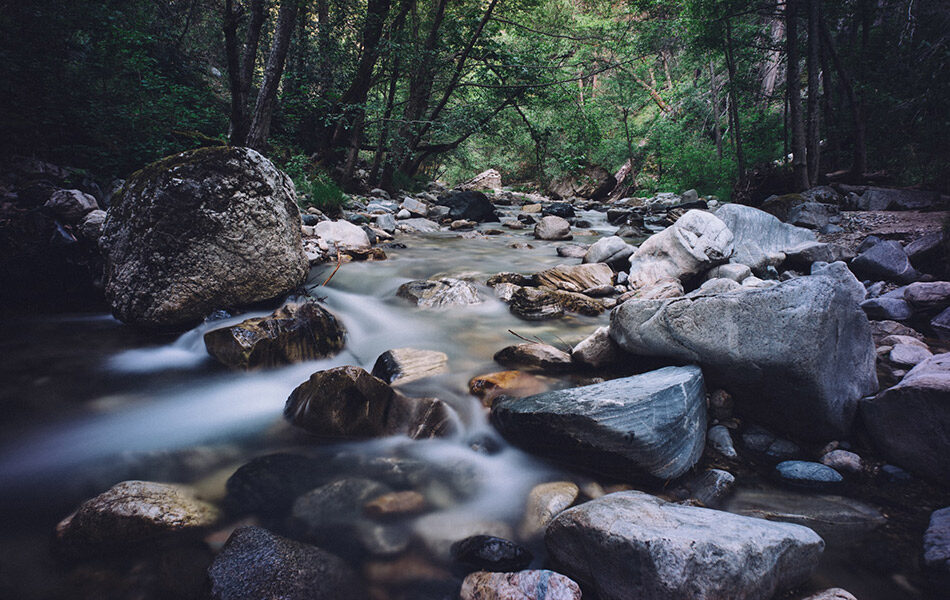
[[314, 187]]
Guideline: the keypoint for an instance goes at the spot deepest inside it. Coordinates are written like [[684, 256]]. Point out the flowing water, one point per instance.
[[91, 402]]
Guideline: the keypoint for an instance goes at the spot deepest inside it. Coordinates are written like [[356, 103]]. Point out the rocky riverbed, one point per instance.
[[483, 395]]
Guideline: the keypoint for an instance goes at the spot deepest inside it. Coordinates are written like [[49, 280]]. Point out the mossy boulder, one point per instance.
[[201, 230]]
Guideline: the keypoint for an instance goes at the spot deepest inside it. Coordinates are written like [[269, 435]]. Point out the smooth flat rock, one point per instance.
[[807, 475], [523, 585], [342, 235], [576, 278], [653, 424], [612, 250], [404, 365], [632, 545]]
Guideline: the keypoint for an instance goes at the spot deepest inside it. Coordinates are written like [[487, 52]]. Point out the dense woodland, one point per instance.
[[734, 98]]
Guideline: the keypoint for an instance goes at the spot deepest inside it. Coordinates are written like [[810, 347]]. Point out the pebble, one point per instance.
[[843, 461], [490, 553], [805, 474]]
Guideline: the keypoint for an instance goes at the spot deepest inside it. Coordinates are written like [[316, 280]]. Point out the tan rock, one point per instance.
[[395, 504], [516, 384], [546, 501]]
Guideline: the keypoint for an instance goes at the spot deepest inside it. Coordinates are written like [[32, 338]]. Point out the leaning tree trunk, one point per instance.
[[267, 96], [794, 91]]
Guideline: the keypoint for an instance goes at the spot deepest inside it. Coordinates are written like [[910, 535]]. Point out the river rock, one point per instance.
[[757, 234], [404, 365], [897, 199], [843, 461], [439, 531], [91, 225], [612, 250], [328, 515], [910, 422], [432, 293], [418, 225], [342, 235], [516, 384], [836, 519], [937, 541], [941, 325], [132, 515], [885, 260], [890, 309], [558, 209], [576, 278], [572, 250], [709, 489], [934, 295], [696, 242], [652, 424], [270, 484], [202, 230], [808, 475], [523, 585], [633, 545], [387, 223], [293, 333], [720, 440], [799, 354], [832, 594], [486, 180], [908, 355], [545, 501], [534, 356], [806, 253], [488, 553], [395, 504], [597, 350], [416, 208], [766, 446], [71, 205], [255, 563], [553, 228], [813, 215], [471, 205]]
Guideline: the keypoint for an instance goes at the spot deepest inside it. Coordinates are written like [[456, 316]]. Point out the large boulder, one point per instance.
[[651, 424], [255, 563], [885, 260], [798, 355], [201, 230], [910, 422], [591, 182], [71, 205], [132, 515], [611, 250], [633, 545], [757, 234], [553, 228], [486, 180], [342, 235], [696, 242], [293, 333], [472, 206]]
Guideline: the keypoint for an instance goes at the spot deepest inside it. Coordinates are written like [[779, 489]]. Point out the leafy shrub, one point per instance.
[[314, 187]]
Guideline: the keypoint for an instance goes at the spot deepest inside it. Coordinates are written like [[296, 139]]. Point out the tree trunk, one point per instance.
[[714, 92], [241, 69], [793, 87], [859, 164], [773, 60], [267, 96], [813, 61], [733, 104], [827, 89]]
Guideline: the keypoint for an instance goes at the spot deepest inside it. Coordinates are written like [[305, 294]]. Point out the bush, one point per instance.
[[314, 187]]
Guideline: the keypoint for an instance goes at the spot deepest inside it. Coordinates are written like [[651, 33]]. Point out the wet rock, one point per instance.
[[808, 475], [524, 585], [403, 365], [344, 402], [885, 260], [255, 563], [473, 206], [532, 208], [552, 228], [908, 355], [505, 291], [910, 422], [270, 484], [612, 250], [416, 208], [395, 504], [591, 182], [429, 293], [291, 334], [632, 545], [576, 278], [652, 424], [558, 209], [132, 515], [710, 488], [534, 304], [889, 309], [721, 404], [439, 531], [756, 234], [572, 251], [597, 350], [696, 242], [798, 355], [832, 594], [813, 215], [418, 225], [937, 541], [329, 515], [488, 553], [546, 501], [765, 445], [91, 225], [836, 519], [843, 461], [804, 254], [534, 356], [342, 235], [486, 180], [720, 440], [941, 325], [513, 278], [421, 418], [934, 295], [734, 271], [71, 205], [198, 231], [387, 223], [382, 539], [516, 384]]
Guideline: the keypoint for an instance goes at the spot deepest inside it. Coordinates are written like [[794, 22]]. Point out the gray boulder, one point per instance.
[[653, 424], [937, 541], [597, 350], [696, 242], [91, 225], [612, 250], [71, 205], [734, 271], [553, 228], [439, 293], [910, 422], [941, 324], [930, 296], [757, 234], [897, 199], [806, 253], [798, 355], [198, 231], [342, 235], [885, 260], [813, 215], [887, 309], [633, 545], [471, 205]]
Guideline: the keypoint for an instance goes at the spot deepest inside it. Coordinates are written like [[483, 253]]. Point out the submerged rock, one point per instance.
[[429, 293], [633, 545], [799, 354], [523, 585], [198, 231], [293, 333], [255, 563], [652, 424], [132, 515], [270, 484], [489, 553], [516, 384]]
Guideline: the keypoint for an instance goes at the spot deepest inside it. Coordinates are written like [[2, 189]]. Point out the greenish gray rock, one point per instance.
[[757, 234], [440, 293]]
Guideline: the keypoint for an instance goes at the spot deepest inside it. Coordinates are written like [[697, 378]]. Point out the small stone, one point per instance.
[[832, 594], [895, 474], [597, 350], [534, 356], [937, 541], [71, 205], [415, 207], [395, 504], [524, 585], [765, 445], [516, 384], [439, 293], [546, 501], [893, 309], [909, 355], [711, 488], [843, 461], [489, 553], [721, 404], [403, 214], [720, 440], [403, 365], [809, 475]]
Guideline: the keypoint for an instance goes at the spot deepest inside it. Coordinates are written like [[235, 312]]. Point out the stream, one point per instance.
[[91, 402]]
